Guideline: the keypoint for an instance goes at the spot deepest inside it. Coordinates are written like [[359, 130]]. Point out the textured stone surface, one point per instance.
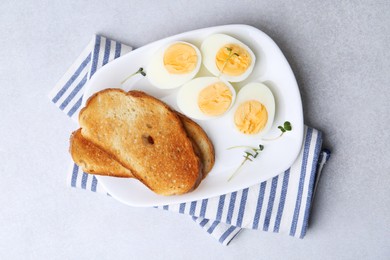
[[339, 52]]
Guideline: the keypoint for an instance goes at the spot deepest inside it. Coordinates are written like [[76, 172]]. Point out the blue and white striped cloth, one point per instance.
[[281, 204]]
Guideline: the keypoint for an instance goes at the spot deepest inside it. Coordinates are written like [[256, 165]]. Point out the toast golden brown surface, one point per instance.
[[143, 135], [96, 161]]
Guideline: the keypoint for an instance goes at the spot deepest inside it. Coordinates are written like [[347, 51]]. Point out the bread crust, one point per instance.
[[200, 138]]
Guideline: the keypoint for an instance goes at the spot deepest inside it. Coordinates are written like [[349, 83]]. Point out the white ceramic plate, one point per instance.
[[271, 68]]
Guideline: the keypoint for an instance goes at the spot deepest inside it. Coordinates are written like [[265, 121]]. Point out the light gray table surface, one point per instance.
[[339, 52]]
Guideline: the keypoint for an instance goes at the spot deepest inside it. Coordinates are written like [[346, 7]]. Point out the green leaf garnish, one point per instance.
[[139, 71], [228, 58], [282, 129], [285, 128], [249, 154]]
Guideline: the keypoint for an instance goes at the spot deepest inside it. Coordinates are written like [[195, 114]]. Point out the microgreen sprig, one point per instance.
[[285, 128], [139, 71], [230, 55], [249, 154]]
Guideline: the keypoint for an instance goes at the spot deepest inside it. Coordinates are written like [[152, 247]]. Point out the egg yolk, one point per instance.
[[215, 99], [233, 60], [251, 117], [180, 58]]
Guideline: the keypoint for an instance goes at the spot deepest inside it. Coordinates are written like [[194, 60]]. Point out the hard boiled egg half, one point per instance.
[[254, 110], [174, 64], [206, 97], [227, 57]]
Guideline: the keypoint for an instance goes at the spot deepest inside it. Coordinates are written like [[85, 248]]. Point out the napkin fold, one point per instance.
[[281, 204]]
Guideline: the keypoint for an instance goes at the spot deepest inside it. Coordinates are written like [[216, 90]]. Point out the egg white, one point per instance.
[[158, 75], [258, 92], [187, 97], [210, 47]]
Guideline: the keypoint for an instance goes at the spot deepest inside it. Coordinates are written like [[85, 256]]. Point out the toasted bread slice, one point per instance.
[[96, 161], [200, 138], [145, 136]]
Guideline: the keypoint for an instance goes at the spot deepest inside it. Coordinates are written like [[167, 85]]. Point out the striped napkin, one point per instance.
[[281, 204]]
